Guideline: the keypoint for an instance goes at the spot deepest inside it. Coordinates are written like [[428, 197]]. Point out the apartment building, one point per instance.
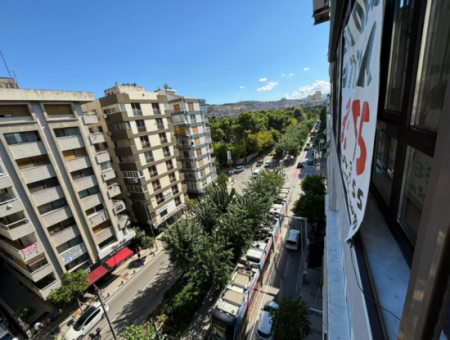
[[193, 140], [138, 131], [58, 211], [386, 272]]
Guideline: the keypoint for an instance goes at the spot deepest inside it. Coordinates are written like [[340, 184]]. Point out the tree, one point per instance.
[[190, 204], [139, 332], [180, 240], [142, 239], [313, 185], [222, 179], [73, 286], [310, 206], [23, 313], [291, 320]]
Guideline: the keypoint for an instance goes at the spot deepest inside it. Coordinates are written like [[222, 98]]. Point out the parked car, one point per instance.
[[256, 173], [267, 164], [310, 162], [293, 239], [239, 168], [5, 334], [300, 165], [265, 323], [86, 322], [259, 163]]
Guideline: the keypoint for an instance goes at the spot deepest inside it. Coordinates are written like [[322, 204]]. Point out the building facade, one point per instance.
[[391, 278], [193, 140], [138, 131], [58, 206]]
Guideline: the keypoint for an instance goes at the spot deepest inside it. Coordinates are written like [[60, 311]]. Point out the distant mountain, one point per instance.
[[233, 109]]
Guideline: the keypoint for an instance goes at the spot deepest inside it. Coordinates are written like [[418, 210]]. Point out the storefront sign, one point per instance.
[[29, 249], [360, 83], [160, 210], [73, 253]]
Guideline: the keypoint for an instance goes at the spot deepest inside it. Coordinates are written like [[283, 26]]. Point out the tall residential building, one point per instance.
[[138, 131], [58, 206], [387, 249], [193, 140]]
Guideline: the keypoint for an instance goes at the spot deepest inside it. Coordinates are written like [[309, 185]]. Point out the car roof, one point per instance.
[[300, 162], [240, 166], [265, 324], [271, 304], [292, 234]]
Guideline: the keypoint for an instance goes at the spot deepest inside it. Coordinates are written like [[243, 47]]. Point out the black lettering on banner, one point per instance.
[[358, 17], [365, 65], [353, 188], [360, 198]]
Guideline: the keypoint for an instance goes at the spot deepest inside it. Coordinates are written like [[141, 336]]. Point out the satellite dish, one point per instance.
[[166, 86], [159, 88]]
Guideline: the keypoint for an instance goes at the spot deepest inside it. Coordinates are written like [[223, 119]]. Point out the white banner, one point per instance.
[[360, 87]]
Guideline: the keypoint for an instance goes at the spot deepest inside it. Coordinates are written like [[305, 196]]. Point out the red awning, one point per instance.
[[121, 256], [96, 275]]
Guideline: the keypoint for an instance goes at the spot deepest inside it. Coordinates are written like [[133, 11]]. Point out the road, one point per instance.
[[284, 278]]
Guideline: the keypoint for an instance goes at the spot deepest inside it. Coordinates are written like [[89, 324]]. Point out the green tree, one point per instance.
[[180, 240], [190, 204], [142, 239], [23, 313], [291, 320], [73, 286], [222, 179], [313, 185], [310, 206], [139, 332]]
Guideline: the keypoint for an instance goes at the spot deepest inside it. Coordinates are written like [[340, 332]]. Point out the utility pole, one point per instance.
[[104, 311], [156, 329]]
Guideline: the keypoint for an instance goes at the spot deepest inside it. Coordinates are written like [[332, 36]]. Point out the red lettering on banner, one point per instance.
[[365, 117], [344, 123]]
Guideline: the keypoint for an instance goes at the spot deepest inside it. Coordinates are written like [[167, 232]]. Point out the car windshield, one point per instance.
[[291, 242], [263, 335], [77, 325]]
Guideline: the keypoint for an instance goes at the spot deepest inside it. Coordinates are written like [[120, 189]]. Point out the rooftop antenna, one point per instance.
[[4, 61]]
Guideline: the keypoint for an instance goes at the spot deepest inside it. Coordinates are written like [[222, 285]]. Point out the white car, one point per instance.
[[5, 334], [267, 164], [86, 322], [239, 168], [265, 324]]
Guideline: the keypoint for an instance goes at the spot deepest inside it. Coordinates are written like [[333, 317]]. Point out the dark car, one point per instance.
[[259, 163], [300, 165], [310, 162]]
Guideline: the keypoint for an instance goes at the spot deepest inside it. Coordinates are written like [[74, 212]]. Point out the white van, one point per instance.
[[293, 239], [256, 172]]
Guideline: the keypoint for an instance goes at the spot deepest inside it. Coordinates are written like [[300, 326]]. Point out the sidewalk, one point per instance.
[[124, 274]]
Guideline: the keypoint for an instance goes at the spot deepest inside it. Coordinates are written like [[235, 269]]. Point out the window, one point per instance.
[[107, 242], [401, 35], [132, 174], [94, 210], [202, 173], [89, 192], [414, 186], [100, 129], [81, 173], [201, 163], [163, 213], [434, 67], [14, 111], [101, 226], [204, 182], [140, 124], [149, 157], [58, 204], [79, 260], [31, 162], [69, 244], [163, 138], [188, 165], [383, 170], [172, 177], [152, 171], [159, 124], [136, 107], [42, 185], [156, 185], [159, 198], [193, 119], [197, 141], [36, 263], [177, 201], [131, 188], [176, 107], [22, 137], [69, 132], [74, 153], [166, 151], [186, 154], [56, 228], [119, 126], [156, 110], [53, 110], [106, 166], [195, 130], [175, 190], [169, 165], [144, 142], [199, 152], [190, 106]]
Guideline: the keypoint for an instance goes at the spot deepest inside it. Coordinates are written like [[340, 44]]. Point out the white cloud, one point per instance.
[[306, 69], [283, 75], [268, 87], [262, 79], [291, 74], [242, 87], [318, 85]]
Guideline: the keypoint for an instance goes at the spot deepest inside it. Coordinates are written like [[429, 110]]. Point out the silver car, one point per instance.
[[86, 322], [265, 324]]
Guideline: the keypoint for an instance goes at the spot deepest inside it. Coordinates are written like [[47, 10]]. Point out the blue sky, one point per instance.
[[208, 49]]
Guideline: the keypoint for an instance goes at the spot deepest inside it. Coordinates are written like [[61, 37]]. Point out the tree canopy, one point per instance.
[[291, 320], [73, 286]]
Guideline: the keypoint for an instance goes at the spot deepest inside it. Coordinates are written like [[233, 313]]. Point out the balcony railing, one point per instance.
[[156, 111], [156, 187], [163, 140], [174, 192], [169, 166], [149, 160], [137, 112], [160, 127], [177, 111], [160, 200], [172, 179], [14, 224], [145, 145], [142, 129], [166, 154], [5, 199], [153, 173]]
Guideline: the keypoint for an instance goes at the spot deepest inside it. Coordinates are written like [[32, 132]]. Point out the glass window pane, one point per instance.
[[401, 34], [383, 170], [434, 66], [60, 133], [415, 182], [13, 138], [72, 132]]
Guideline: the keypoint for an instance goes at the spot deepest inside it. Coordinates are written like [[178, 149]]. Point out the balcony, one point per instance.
[[56, 216], [113, 190], [169, 166], [175, 191], [35, 276], [172, 179], [96, 138], [102, 156], [160, 200], [73, 253], [38, 173], [17, 229], [10, 206], [163, 140], [160, 127], [78, 163], [24, 150], [85, 183], [156, 112], [90, 118], [118, 206], [137, 113], [141, 129], [69, 143], [44, 292], [213, 159], [166, 154], [65, 235], [98, 218], [206, 129], [18, 251], [208, 140], [156, 187], [48, 195], [177, 111], [5, 181], [104, 235], [91, 201], [123, 221], [145, 145], [153, 173], [108, 174]]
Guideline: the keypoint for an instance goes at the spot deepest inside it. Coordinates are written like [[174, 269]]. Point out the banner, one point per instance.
[[360, 87]]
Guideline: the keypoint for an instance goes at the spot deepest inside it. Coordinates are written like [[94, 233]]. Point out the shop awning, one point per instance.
[[96, 275], [121, 256]]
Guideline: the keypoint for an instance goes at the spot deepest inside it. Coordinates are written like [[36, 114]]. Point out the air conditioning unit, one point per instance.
[[105, 116]]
